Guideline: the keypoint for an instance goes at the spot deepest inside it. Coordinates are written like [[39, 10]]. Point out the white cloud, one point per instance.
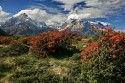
[[86, 15], [68, 4], [78, 16], [42, 15], [94, 12], [92, 9], [58, 18], [104, 7], [48, 9], [3, 15], [96, 8], [36, 14], [72, 16]]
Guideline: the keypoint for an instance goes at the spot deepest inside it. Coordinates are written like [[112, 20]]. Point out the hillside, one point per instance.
[[3, 33]]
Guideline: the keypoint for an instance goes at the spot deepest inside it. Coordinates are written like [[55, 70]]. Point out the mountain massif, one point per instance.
[[83, 27], [24, 25]]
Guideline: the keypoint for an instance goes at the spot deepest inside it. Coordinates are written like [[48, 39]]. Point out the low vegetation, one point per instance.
[[63, 57]]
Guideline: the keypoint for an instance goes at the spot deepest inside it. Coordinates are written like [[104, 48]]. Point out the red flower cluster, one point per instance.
[[25, 40], [110, 45], [6, 40], [86, 53], [48, 42]]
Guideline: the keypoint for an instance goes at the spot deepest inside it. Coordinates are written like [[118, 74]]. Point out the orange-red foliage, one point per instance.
[[111, 45]]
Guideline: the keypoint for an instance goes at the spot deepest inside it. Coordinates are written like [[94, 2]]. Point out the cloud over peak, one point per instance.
[[41, 15], [36, 14], [3, 15], [78, 16]]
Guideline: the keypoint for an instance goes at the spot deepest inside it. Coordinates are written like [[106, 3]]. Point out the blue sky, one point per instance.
[[58, 11]]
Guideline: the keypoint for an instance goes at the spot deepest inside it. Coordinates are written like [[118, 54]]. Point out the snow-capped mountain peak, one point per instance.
[[83, 27], [23, 17], [97, 23], [104, 23], [24, 25]]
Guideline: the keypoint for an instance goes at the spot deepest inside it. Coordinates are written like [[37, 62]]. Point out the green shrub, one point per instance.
[[4, 67], [15, 50], [34, 76]]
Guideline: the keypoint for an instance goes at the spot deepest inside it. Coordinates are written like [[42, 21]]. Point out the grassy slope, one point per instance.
[[29, 68]]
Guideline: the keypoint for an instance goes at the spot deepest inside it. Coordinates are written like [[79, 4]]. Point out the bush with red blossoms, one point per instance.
[[25, 40], [6, 40], [105, 58], [111, 45], [49, 43]]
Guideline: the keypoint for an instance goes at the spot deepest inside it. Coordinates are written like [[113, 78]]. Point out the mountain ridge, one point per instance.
[[24, 25], [83, 27]]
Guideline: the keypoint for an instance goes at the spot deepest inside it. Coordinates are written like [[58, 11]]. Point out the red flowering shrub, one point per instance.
[[25, 40], [106, 54], [111, 45], [48, 43], [6, 40]]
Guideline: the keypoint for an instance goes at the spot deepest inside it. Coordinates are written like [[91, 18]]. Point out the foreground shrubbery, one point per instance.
[[51, 43], [47, 43], [14, 49], [6, 40], [34, 76], [25, 40], [105, 58]]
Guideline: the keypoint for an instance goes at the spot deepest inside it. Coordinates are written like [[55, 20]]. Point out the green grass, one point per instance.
[[27, 68], [11, 66]]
